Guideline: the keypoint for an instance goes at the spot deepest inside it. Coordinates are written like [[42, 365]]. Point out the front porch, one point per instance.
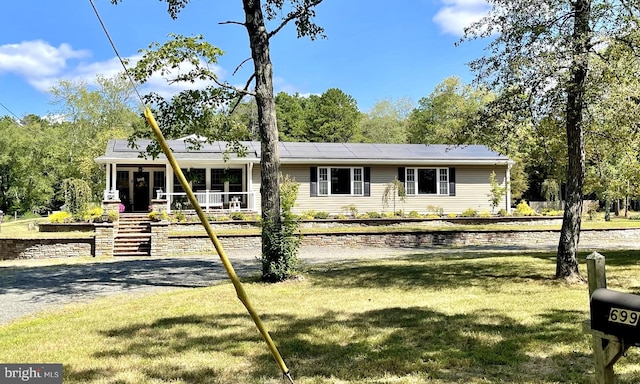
[[217, 189]]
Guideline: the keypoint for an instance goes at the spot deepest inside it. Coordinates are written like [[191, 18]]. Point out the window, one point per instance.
[[158, 182], [195, 177], [427, 181], [341, 181]]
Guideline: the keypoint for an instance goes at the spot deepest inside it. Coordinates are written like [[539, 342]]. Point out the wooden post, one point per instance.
[[607, 349]]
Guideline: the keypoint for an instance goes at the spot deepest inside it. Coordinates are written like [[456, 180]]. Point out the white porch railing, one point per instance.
[[210, 200]]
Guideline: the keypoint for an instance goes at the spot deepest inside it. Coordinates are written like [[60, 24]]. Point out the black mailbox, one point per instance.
[[616, 313]]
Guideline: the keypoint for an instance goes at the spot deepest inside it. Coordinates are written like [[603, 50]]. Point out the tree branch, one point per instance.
[[293, 16], [232, 22], [240, 65], [244, 91]]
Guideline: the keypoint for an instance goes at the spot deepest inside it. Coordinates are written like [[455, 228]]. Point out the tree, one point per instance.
[[91, 115], [291, 117], [441, 116], [27, 173], [497, 192], [386, 122], [332, 117], [538, 63], [301, 12]]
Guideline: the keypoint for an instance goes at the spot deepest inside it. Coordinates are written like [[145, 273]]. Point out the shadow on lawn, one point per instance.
[[366, 346], [480, 346], [425, 271]]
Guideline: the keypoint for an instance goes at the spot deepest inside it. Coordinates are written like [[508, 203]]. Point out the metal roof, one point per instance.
[[313, 153]]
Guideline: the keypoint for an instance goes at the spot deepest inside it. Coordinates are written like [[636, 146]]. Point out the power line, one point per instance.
[[11, 112], [126, 71]]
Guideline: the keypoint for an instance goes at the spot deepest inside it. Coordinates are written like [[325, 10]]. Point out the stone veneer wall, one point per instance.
[[183, 245], [165, 244], [45, 248], [104, 239], [160, 238]]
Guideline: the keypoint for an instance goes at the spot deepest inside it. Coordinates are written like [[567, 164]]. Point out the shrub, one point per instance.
[[321, 215], [503, 212], [180, 216], [452, 215], [223, 218], [238, 216], [77, 195], [92, 214], [113, 216], [485, 214], [634, 217], [388, 215], [415, 214], [341, 217], [284, 242], [469, 212], [60, 217], [523, 209], [552, 212], [157, 216], [592, 209], [435, 209], [351, 209], [308, 215], [373, 215], [434, 216]]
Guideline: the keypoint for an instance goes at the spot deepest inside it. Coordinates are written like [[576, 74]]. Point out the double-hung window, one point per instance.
[[427, 181], [340, 181]]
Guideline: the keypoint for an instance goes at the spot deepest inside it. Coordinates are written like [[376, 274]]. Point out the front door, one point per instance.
[[141, 191]]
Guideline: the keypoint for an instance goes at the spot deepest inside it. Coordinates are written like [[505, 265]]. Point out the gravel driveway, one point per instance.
[[30, 289]]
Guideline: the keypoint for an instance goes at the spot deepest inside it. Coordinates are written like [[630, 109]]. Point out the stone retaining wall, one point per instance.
[[165, 244], [183, 245], [46, 248]]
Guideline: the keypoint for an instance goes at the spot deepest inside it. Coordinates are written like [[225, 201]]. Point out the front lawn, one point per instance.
[[463, 317]]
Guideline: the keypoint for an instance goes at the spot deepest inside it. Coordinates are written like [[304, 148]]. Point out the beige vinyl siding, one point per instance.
[[472, 191]]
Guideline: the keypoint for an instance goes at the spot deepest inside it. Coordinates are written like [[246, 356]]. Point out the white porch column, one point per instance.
[[107, 175], [250, 205], [168, 188], [114, 172], [507, 181]]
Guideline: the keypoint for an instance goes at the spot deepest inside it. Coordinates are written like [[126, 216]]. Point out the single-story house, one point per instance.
[[331, 176]]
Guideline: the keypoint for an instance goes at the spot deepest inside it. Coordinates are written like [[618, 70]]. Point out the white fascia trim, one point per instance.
[[398, 162]]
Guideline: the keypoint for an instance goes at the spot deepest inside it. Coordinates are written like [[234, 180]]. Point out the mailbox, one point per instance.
[[616, 313]]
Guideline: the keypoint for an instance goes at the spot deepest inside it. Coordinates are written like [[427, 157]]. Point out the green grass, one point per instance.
[[427, 318], [27, 229]]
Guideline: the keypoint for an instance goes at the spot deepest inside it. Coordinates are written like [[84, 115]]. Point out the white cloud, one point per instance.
[[455, 15], [36, 59], [43, 65]]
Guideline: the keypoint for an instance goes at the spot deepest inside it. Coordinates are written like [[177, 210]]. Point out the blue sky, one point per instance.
[[374, 50]]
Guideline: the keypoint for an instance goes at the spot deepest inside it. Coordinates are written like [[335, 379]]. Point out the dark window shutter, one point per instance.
[[313, 177], [401, 174], [367, 181], [452, 181]]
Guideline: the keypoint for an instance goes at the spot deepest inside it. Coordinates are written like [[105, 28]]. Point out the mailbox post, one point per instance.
[[608, 337]]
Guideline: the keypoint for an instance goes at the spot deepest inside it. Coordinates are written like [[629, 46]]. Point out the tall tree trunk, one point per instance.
[[567, 262], [268, 129]]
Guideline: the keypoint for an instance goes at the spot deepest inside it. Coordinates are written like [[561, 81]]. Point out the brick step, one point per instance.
[[131, 253], [133, 237], [138, 249], [136, 229]]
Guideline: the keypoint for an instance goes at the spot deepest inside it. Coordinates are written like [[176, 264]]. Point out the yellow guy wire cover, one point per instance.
[[216, 243]]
